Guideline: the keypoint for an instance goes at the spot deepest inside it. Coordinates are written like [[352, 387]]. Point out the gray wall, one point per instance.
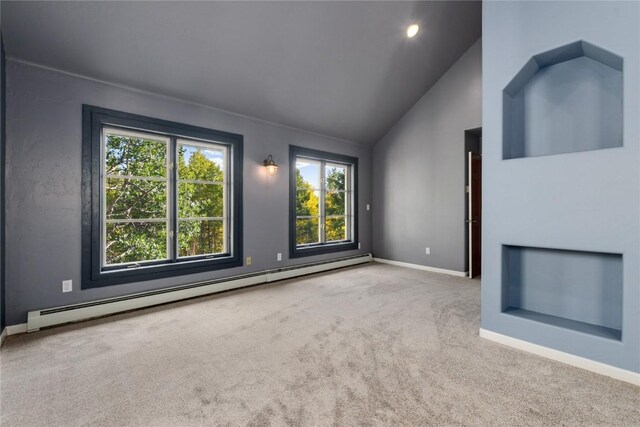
[[419, 178], [585, 201], [2, 204], [43, 213]]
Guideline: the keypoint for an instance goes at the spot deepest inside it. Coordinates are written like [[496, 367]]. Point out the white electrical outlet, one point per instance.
[[249, 260], [67, 285], [428, 251], [279, 257], [359, 245], [368, 207]]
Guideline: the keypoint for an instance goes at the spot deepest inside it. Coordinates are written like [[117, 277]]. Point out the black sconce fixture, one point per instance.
[[271, 166]]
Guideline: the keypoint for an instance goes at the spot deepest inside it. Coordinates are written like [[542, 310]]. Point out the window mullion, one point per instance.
[[323, 189], [173, 199], [103, 197], [348, 202], [227, 222]]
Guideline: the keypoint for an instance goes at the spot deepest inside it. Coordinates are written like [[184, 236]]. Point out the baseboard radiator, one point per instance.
[[90, 310]]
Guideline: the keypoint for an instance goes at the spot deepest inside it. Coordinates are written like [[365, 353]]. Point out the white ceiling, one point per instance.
[[343, 69]]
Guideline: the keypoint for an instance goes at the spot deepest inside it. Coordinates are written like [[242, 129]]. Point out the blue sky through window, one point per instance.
[[216, 156], [310, 171]]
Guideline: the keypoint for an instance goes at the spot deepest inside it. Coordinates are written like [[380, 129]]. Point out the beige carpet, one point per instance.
[[371, 345]]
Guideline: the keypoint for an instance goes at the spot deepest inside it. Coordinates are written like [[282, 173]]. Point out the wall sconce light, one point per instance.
[[271, 166]]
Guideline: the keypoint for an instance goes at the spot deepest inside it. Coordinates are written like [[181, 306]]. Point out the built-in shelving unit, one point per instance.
[[565, 100], [575, 290]]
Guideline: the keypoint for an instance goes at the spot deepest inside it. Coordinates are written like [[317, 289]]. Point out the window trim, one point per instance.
[[296, 251], [93, 120]]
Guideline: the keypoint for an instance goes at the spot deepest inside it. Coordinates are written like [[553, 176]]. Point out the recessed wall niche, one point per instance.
[[575, 290], [565, 100]]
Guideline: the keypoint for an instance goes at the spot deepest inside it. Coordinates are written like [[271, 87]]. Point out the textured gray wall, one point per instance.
[[43, 214], [586, 201], [419, 172]]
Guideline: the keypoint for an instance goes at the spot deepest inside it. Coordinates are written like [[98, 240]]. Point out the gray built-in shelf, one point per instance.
[[575, 290], [565, 100]]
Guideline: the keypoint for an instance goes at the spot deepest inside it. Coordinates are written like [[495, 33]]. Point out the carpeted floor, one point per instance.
[[371, 345]]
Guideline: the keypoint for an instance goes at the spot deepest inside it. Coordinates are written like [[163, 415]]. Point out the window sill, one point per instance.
[[299, 252], [158, 271]]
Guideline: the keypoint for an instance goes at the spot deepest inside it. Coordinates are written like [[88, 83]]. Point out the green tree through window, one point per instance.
[[336, 204], [137, 188], [307, 207], [322, 202], [201, 212], [136, 198]]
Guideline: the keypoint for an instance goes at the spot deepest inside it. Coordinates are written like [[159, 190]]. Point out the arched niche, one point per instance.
[[565, 100]]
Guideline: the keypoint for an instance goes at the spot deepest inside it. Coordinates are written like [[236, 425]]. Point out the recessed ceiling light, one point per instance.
[[413, 30]]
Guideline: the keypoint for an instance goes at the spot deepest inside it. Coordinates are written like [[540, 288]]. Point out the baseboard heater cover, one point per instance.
[[84, 311]]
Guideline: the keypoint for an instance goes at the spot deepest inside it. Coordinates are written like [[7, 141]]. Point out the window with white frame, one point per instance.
[[323, 202], [163, 198]]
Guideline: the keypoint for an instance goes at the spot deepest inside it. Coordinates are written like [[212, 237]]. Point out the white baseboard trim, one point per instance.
[[3, 335], [20, 328], [561, 356], [422, 267]]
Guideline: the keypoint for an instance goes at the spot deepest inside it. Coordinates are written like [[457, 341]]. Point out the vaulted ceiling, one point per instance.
[[343, 69]]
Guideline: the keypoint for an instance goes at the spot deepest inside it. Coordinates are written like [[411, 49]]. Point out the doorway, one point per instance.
[[473, 201]]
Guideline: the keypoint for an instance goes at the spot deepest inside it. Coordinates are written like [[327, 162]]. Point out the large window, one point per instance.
[[160, 198], [323, 202]]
